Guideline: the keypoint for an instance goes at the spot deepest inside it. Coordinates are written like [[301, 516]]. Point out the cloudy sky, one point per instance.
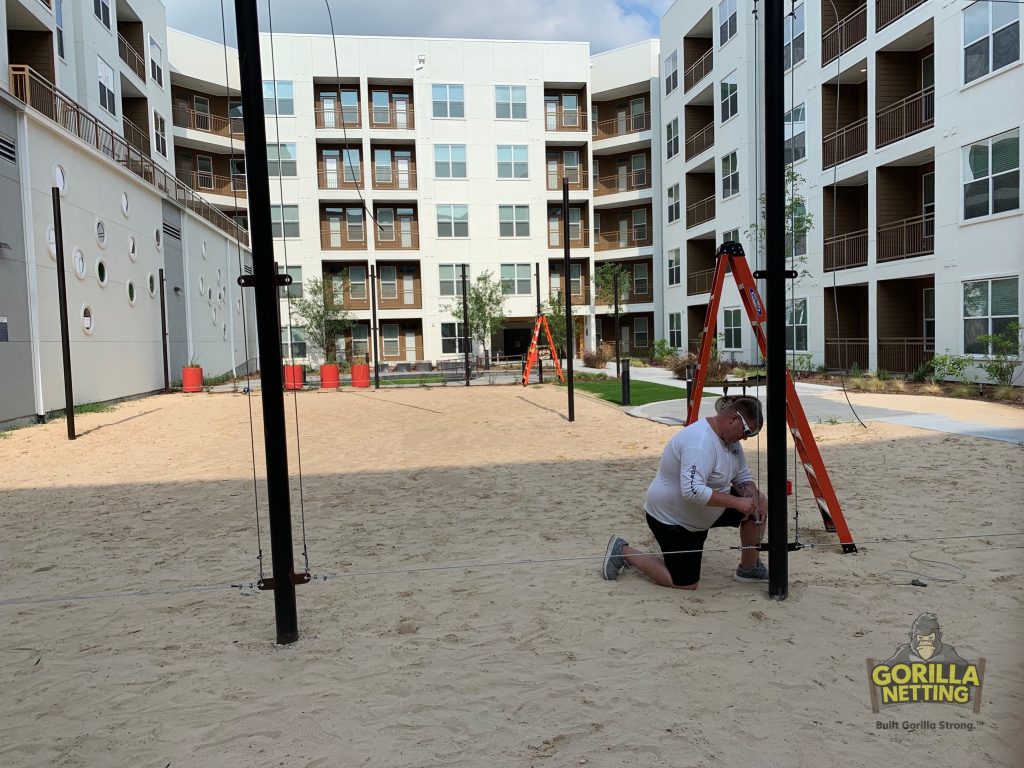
[[605, 24]]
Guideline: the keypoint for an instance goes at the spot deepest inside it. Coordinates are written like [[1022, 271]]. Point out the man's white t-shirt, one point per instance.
[[695, 462]]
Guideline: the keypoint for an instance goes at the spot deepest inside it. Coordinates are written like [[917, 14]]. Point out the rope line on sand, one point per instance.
[[456, 566]]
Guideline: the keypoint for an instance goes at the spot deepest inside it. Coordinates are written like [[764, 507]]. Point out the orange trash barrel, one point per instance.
[[329, 377], [192, 379], [293, 376], [361, 375]]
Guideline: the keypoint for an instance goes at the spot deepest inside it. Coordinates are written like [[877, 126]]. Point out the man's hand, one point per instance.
[[745, 505]]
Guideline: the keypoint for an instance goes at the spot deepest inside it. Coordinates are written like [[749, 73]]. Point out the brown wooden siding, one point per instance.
[[901, 307], [898, 75], [851, 210], [853, 312], [699, 186], [404, 326], [136, 110], [36, 50], [218, 103], [608, 110], [899, 192], [853, 105], [695, 326]]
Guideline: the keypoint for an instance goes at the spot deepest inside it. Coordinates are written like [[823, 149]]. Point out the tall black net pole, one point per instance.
[[569, 342], [65, 336], [465, 322], [540, 311], [374, 329]]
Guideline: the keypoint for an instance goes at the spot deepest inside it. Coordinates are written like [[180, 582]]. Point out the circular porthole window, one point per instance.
[[158, 237], [86, 317], [78, 261], [151, 284], [131, 293], [133, 250], [60, 179], [101, 234], [101, 272], [51, 242], [125, 204]]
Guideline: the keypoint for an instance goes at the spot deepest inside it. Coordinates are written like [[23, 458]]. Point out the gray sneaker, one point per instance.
[[613, 559], [758, 573]]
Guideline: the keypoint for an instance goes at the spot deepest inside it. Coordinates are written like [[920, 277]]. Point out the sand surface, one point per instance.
[[494, 665]]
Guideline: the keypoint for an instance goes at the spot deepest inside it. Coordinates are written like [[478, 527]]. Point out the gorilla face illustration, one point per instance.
[[925, 636], [924, 645]]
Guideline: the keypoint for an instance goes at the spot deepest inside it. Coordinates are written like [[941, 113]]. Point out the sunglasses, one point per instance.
[[747, 431]]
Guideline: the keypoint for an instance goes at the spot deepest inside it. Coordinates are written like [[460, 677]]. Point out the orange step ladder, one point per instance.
[[532, 355], [730, 256]]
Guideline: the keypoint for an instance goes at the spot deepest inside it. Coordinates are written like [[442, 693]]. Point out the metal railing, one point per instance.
[[906, 238], [846, 251], [396, 296], [701, 140], [338, 117], [565, 120], [701, 211], [131, 57], [340, 178], [213, 184], [580, 241], [623, 182], [578, 179], [341, 237], [637, 236], [697, 71], [841, 354], [579, 295], [841, 37], [385, 177], [904, 355], [622, 125], [396, 236], [906, 117], [206, 122], [392, 118], [629, 297], [40, 94], [135, 136], [699, 282], [887, 11], [845, 144]]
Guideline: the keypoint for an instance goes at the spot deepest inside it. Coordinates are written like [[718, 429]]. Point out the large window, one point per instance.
[[992, 175], [793, 35], [278, 97], [159, 134], [671, 72], [452, 221], [389, 340], [58, 14], [357, 283], [796, 325], [796, 241], [516, 280], [156, 63], [284, 220], [360, 341], [675, 268], [453, 337], [281, 161], [731, 236], [512, 161], [641, 332], [730, 175], [991, 37], [726, 21], [450, 161], [293, 291], [513, 221], [796, 134], [450, 276], [733, 332], [673, 203], [672, 138], [102, 10], [448, 100], [730, 97], [297, 347], [675, 330], [641, 279], [105, 75], [510, 102], [990, 307]]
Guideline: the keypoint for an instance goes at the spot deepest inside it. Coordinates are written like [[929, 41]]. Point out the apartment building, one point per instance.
[[903, 121], [84, 107]]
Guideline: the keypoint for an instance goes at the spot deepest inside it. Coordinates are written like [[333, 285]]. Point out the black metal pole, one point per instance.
[[775, 298], [618, 330], [62, 294], [373, 326], [625, 382], [566, 272], [465, 323], [268, 319], [163, 332], [540, 311]]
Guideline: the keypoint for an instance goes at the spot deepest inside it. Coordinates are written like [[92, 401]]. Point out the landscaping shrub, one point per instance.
[[680, 363], [661, 351], [595, 358], [924, 372]]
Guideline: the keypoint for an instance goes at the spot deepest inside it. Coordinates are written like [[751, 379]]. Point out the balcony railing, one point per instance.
[[338, 117], [396, 236], [135, 136], [623, 182], [340, 178], [578, 179], [904, 355], [906, 238], [629, 297], [846, 251], [697, 71], [339, 236], [841, 37], [701, 211], [699, 282], [638, 236], [232, 186], [393, 178], [580, 294], [40, 94], [622, 125], [701, 140], [845, 144], [395, 295], [906, 117], [392, 118], [131, 57], [205, 121], [887, 11], [565, 120], [841, 354], [581, 240]]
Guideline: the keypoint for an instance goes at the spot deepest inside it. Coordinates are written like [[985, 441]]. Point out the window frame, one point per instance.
[[990, 177], [790, 35], [672, 138], [520, 225], [450, 162], [675, 267], [156, 64], [730, 100], [645, 334], [108, 94], [455, 279], [293, 291], [510, 102], [448, 101], [792, 337], [58, 16], [674, 203], [518, 162], [451, 220], [520, 280], [282, 224], [453, 334], [989, 36], [101, 10], [675, 335], [276, 98], [732, 332], [731, 180], [275, 165], [727, 29], [989, 317], [790, 136], [671, 76], [159, 134]]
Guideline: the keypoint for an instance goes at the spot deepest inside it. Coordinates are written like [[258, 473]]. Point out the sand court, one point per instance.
[[499, 665]]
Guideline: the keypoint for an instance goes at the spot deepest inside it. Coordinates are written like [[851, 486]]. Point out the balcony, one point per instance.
[[845, 144], [638, 236], [850, 31], [906, 117], [700, 265], [401, 235], [205, 121], [393, 118], [906, 238], [347, 285], [578, 179], [846, 251], [888, 11], [625, 181], [622, 125], [843, 354], [338, 235], [337, 118], [131, 57], [135, 136], [399, 286], [700, 211], [577, 239], [394, 167], [336, 178], [209, 183], [700, 69], [580, 295], [44, 97], [701, 140], [396, 179], [565, 120], [906, 323], [699, 282]]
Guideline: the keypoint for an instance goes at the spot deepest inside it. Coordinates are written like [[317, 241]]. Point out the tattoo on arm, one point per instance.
[[747, 489]]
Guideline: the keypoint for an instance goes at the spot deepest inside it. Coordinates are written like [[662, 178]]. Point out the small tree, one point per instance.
[[798, 223], [486, 302], [607, 277], [554, 309], [1004, 353], [324, 318]]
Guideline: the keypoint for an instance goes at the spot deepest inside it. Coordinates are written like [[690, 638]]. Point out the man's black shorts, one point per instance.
[[685, 569]]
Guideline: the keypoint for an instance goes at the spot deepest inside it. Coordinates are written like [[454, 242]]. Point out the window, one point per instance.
[[796, 134], [389, 282], [380, 113], [992, 175], [350, 160], [281, 160], [991, 38], [793, 36], [671, 72], [516, 280], [675, 330], [237, 168], [732, 236], [360, 341], [453, 337], [796, 242], [730, 97], [448, 100], [672, 138], [673, 203], [354, 224], [159, 134], [357, 283], [510, 102], [641, 332], [512, 162], [156, 63], [450, 161], [726, 21], [278, 97], [928, 299], [641, 280], [452, 221], [102, 10], [733, 334], [675, 269], [297, 347], [451, 279], [796, 325], [990, 307], [386, 224], [513, 221], [293, 291], [730, 176], [284, 220], [389, 339], [106, 80], [58, 12]]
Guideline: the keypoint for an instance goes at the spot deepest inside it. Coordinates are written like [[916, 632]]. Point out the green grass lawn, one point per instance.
[[412, 380], [640, 392]]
